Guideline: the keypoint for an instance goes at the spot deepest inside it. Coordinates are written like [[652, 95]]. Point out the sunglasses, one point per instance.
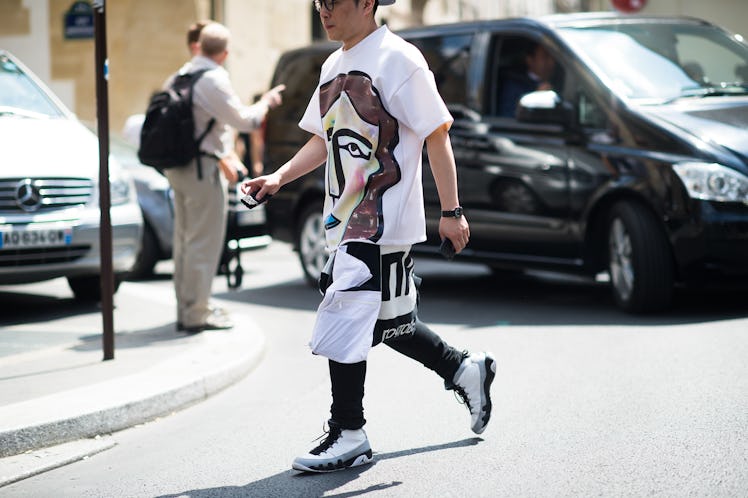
[[327, 4]]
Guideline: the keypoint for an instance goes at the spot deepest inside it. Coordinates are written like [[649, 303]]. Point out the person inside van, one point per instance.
[[536, 76]]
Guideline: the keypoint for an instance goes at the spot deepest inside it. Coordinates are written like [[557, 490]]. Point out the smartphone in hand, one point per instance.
[[251, 201], [447, 249]]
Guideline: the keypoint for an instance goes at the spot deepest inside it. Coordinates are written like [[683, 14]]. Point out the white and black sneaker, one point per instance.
[[472, 382], [341, 449]]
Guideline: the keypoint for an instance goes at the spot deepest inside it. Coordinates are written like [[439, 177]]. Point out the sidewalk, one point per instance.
[[59, 404]]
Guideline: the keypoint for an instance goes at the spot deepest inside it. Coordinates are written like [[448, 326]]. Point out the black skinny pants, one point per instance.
[[347, 379]]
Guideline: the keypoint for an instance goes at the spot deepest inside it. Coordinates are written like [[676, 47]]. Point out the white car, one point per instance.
[[49, 196]]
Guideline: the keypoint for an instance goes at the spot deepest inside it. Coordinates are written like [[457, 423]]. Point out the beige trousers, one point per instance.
[[200, 208]]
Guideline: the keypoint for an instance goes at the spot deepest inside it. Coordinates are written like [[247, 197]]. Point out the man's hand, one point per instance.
[[308, 158], [272, 97], [455, 229], [262, 186], [232, 167]]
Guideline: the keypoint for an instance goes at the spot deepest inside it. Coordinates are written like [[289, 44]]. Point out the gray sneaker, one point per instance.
[[340, 450], [472, 382]]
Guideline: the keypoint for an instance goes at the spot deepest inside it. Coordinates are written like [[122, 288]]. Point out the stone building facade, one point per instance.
[[146, 38]]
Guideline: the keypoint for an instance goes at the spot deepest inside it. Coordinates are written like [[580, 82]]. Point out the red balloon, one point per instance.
[[629, 5]]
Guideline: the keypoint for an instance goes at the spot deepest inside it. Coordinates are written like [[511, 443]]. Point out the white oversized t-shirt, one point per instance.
[[374, 106]]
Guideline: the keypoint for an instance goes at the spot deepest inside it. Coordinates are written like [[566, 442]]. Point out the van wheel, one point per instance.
[[88, 287], [639, 260], [147, 257], [310, 237]]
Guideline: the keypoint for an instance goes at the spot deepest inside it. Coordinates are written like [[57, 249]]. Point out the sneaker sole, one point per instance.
[[490, 369], [362, 459]]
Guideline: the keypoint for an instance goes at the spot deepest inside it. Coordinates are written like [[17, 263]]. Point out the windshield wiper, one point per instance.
[[720, 90], [22, 113]]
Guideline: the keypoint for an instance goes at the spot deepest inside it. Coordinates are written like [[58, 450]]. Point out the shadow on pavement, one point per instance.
[[542, 299], [145, 338], [153, 277], [293, 294], [18, 307], [480, 299], [137, 339], [307, 484]]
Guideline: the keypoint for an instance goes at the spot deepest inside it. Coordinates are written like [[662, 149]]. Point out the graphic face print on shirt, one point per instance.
[[361, 136]]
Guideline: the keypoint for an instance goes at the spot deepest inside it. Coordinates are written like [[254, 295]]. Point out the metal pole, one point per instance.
[[105, 225]]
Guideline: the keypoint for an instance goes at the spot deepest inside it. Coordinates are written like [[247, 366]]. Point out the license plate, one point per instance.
[[249, 217], [35, 237]]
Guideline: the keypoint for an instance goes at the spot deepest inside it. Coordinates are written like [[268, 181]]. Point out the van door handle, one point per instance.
[[548, 167]]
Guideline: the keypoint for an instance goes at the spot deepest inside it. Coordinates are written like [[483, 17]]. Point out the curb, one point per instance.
[[217, 360], [32, 463]]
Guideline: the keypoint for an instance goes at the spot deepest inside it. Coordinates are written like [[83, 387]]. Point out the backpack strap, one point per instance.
[[196, 76], [201, 153]]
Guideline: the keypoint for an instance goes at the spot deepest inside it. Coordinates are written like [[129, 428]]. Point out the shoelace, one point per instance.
[[459, 392], [462, 398], [331, 434]]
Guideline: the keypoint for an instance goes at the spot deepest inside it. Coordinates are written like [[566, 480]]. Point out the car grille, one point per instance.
[[42, 255], [43, 194]]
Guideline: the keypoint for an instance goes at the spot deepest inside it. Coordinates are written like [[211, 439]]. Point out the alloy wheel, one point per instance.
[[621, 262], [312, 248]]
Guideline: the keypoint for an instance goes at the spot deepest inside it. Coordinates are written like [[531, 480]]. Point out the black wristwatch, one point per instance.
[[455, 213]]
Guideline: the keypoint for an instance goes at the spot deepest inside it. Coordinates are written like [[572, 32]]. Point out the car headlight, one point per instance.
[[713, 182], [120, 190]]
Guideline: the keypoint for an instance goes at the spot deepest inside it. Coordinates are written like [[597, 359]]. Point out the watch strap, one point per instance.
[[454, 213]]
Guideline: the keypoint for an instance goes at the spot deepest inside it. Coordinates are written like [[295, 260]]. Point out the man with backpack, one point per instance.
[[200, 186]]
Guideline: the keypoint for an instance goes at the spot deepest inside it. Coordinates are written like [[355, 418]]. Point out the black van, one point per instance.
[[635, 163]]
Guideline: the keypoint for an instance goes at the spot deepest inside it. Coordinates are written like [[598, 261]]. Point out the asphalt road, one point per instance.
[[588, 400]]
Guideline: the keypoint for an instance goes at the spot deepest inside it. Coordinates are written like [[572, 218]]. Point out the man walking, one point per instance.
[[200, 189], [375, 105]]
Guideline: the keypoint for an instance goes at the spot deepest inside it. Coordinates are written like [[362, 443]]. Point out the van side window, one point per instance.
[[520, 65], [448, 58]]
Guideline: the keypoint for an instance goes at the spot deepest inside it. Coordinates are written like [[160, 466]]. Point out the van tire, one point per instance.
[[639, 260], [310, 241], [87, 288]]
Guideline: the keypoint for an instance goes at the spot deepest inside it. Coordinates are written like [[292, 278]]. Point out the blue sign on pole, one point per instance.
[[79, 22]]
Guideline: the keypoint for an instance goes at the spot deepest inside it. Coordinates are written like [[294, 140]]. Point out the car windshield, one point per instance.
[[20, 96], [662, 62]]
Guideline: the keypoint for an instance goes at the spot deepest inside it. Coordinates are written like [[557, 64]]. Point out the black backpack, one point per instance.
[[167, 138]]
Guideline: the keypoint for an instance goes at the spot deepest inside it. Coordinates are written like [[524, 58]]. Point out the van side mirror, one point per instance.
[[462, 112], [543, 107]]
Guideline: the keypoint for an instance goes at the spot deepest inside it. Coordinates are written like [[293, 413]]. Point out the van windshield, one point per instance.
[[661, 62], [20, 96]]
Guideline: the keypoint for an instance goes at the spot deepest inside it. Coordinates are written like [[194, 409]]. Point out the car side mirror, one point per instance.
[[541, 107]]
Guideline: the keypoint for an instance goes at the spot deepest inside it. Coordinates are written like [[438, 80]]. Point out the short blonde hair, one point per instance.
[[214, 39]]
